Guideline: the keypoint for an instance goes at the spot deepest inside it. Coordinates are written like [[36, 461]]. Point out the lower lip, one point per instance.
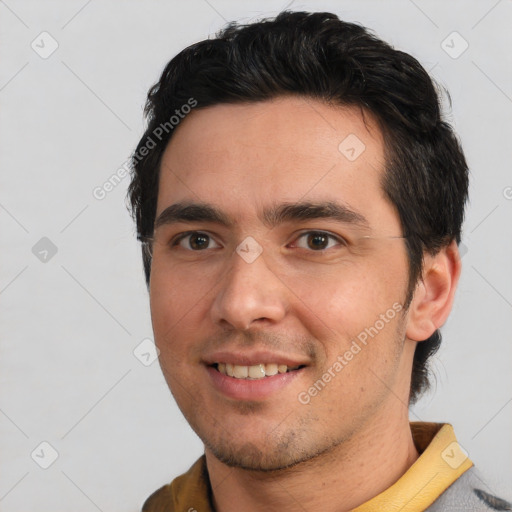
[[250, 389]]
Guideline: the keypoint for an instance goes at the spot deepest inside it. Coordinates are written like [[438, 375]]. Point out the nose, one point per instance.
[[249, 294]]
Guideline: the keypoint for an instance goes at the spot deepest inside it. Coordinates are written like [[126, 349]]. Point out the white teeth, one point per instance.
[[240, 372], [271, 369], [256, 371]]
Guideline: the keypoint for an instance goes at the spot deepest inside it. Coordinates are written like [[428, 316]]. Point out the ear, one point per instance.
[[433, 297]]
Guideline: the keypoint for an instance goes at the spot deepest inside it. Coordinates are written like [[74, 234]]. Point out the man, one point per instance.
[[300, 200]]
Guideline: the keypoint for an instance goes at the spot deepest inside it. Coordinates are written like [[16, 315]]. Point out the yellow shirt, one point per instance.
[[441, 462]]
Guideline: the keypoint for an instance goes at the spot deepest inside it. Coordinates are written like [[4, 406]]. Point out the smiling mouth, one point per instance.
[[255, 371]]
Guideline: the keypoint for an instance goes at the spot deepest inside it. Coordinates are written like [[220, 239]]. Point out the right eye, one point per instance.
[[195, 241]]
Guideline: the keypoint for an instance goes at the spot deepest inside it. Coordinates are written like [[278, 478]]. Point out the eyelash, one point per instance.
[[329, 235]]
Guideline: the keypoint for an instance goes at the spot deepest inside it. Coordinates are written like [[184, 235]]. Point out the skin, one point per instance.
[[352, 440]]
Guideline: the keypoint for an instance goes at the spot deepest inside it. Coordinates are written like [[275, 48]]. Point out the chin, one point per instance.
[[250, 457], [266, 455]]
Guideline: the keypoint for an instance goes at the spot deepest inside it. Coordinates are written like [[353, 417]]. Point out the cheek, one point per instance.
[[176, 289], [339, 299], [177, 304], [339, 308]]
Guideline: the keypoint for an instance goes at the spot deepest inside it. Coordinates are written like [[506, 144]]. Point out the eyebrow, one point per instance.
[[271, 217]]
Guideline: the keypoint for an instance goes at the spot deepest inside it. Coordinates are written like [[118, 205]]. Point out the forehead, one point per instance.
[[245, 156]]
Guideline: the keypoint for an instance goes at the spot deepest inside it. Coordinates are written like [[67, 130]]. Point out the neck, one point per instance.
[[350, 474]]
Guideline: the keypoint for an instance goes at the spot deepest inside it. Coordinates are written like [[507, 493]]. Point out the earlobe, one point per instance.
[[433, 297]]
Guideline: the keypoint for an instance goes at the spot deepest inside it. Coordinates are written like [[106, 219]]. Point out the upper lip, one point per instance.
[[253, 357]]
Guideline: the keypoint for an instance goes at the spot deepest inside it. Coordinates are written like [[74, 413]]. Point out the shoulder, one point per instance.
[[470, 493], [159, 501], [186, 493]]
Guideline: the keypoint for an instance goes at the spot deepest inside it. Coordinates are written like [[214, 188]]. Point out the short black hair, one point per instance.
[[319, 56]]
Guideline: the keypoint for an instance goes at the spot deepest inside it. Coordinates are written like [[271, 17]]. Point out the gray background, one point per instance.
[[70, 321]]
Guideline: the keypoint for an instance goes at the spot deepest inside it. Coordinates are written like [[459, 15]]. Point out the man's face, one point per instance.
[[324, 295]]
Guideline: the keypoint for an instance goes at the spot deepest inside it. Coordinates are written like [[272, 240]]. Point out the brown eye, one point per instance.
[[196, 241], [318, 241]]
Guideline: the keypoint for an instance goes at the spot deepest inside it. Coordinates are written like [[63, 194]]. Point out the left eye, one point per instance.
[[318, 241]]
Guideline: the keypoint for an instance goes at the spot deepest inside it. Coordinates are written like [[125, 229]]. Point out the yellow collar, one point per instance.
[[441, 462]]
